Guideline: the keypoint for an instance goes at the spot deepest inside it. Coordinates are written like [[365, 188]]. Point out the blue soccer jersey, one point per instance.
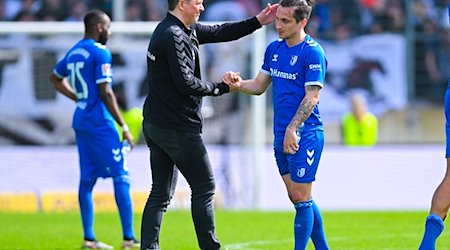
[[85, 65], [291, 69]]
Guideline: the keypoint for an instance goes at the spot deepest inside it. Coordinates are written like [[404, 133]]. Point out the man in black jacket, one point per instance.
[[172, 120]]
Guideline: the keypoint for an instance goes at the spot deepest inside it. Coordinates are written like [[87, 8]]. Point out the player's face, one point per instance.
[[192, 10], [104, 31], [286, 24]]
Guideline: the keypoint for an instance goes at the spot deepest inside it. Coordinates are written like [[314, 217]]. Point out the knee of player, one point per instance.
[[206, 188], [297, 197]]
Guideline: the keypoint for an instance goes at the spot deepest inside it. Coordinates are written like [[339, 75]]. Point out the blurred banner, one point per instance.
[[33, 113], [373, 65]]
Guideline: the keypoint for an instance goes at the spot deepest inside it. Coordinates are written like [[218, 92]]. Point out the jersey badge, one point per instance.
[[301, 172], [106, 69], [293, 60]]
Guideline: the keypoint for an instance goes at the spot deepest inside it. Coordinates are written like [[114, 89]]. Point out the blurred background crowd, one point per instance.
[[332, 20], [422, 25]]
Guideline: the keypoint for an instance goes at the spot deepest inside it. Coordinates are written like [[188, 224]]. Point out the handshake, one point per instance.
[[233, 80]]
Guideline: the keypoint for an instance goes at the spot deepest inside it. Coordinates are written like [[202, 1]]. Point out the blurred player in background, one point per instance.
[[440, 203], [296, 65], [85, 76]]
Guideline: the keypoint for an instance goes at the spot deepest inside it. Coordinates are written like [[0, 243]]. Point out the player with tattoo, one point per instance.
[[296, 66]]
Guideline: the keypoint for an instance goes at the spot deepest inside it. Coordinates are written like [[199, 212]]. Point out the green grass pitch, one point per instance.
[[251, 230]]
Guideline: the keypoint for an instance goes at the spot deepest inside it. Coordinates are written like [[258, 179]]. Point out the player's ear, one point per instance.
[[304, 22], [99, 27], [181, 4]]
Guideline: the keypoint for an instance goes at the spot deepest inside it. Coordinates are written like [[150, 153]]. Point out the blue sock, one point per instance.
[[87, 208], [303, 224], [433, 228], [123, 201], [318, 234]]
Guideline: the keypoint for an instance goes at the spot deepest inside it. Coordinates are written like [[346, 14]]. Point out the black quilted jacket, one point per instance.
[[173, 71]]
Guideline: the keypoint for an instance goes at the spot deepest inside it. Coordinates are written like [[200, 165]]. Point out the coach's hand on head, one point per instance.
[[267, 15]]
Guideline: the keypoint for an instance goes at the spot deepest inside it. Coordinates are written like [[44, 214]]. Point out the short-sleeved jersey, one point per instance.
[[291, 69], [85, 65]]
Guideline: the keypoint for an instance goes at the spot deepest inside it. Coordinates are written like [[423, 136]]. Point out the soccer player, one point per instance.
[[296, 66], [172, 120], [85, 76], [440, 203]]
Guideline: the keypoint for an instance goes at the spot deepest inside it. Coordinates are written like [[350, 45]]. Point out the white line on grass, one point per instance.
[[265, 244]]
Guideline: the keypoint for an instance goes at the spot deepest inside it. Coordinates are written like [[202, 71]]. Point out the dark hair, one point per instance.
[[93, 18], [172, 4], [302, 8]]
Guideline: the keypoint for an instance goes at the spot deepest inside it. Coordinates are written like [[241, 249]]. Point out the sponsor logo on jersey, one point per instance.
[[293, 60], [315, 67], [284, 75], [106, 69], [275, 58]]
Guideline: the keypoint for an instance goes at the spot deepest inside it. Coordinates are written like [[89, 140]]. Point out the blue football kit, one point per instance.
[[291, 69], [87, 64], [434, 224]]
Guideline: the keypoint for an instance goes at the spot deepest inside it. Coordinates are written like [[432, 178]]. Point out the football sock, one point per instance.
[[123, 200], [318, 234], [87, 208], [303, 224], [433, 228]]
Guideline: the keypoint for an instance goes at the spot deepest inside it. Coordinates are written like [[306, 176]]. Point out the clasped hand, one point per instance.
[[232, 79]]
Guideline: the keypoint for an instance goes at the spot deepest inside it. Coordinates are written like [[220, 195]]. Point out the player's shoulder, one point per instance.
[[275, 44], [312, 44], [313, 47]]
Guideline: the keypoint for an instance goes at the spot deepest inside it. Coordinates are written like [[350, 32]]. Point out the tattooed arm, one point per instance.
[[304, 110]]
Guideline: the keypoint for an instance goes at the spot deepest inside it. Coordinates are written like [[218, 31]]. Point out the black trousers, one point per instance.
[[171, 151]]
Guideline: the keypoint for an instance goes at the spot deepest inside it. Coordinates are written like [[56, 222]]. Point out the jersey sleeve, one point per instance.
[[316, 65], [225, 32], [103, 65], [182, 64], [61, 69]]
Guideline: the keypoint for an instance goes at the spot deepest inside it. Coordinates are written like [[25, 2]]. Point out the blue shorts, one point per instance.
[[100, 154], [447, 120], [302, 165]]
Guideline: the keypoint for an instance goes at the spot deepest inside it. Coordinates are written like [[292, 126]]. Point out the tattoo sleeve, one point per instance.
[[305, 108]]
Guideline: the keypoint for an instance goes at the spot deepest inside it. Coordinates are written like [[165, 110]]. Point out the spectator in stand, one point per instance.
[[359, 127], [53, 10], [77, 11], [429, 81], [134, 10], [25, 15], [155, 9]]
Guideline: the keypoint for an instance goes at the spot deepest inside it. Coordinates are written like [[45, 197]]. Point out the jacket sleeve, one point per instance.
[[182, 64], [227, 31]]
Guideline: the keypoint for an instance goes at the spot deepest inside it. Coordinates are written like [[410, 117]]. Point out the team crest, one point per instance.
[[301, 172], [293, 60]]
